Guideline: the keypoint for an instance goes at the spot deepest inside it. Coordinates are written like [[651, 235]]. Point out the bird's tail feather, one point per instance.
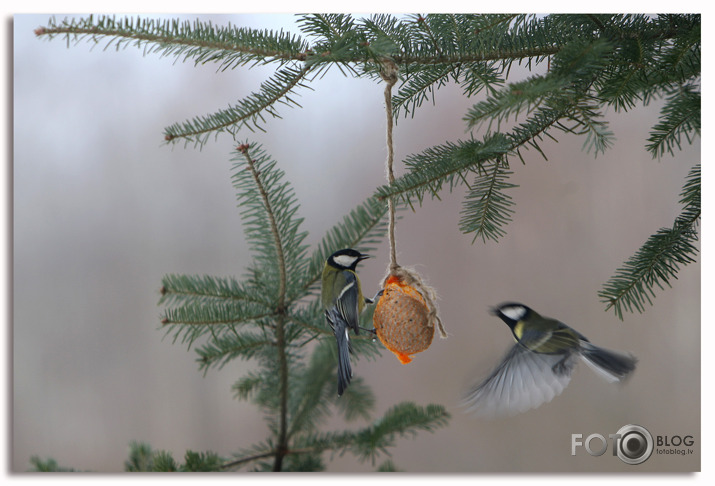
[[611, 365], [340, 329]]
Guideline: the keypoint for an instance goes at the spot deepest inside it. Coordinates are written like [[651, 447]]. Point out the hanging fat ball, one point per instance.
[[342, 299], [539, 366], [406, 315]]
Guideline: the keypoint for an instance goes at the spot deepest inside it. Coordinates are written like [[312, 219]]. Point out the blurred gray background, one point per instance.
[[103, 209]]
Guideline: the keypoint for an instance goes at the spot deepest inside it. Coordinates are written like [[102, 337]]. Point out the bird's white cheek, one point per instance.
[[515, 313], [345, 260]]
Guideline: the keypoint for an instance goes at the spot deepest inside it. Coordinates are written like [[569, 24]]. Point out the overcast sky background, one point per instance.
[[103, 209]]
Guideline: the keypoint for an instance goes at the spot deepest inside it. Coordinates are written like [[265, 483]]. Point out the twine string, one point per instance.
[[388, 72], [389, 75]]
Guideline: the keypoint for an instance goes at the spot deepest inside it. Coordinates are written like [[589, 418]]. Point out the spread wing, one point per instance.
[[522, 381]]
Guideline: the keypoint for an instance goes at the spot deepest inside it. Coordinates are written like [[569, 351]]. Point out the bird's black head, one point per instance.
[[511, 313], [346, 259]]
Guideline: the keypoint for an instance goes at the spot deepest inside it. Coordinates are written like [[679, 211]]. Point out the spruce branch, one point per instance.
[[475, 77], [357, 400], [449, 163], [48, 465], [249, 112], [278, 197], [388, 466], [142, 458], [191, 319], [487, 208], [282, 446], [565, 86], [590, 122], [419, 87], [221, 350], [428, 36], [403, 420], [326, 27], [199, 41], [314, 393], [495, 55], [206, 314], [524, 96], [342, 41], [310, 319], [201, 289], [249, 458], [268, 210], [440, 165], [313, 390], [418, 45], [247, 385], [269, 206], [679, 117], [659, 259]]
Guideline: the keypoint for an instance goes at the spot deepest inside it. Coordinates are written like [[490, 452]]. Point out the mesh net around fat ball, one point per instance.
[[406, 315]]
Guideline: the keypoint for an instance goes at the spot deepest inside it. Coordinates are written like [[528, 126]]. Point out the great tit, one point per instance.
[[343, 302], [539, 366]]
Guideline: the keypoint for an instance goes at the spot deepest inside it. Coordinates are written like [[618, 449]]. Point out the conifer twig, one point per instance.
[[281, 344], [246, 112], [272, 221]]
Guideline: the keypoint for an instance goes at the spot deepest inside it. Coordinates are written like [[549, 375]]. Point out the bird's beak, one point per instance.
[[363, 257], [494, 311]]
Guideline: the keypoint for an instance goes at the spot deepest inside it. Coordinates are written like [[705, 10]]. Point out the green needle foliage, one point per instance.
[[660, 257], [49, 465], [272, 316], [581, 65]]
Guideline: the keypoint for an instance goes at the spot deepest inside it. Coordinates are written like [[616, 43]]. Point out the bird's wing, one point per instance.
[[552, 341], [522, 381], [347, 302], [340, 329]]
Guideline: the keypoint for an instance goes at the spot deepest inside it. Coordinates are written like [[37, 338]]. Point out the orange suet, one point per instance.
[[404, 322]]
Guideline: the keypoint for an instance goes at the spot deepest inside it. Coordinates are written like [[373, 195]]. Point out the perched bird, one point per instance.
[[343, 302], [539, 366]]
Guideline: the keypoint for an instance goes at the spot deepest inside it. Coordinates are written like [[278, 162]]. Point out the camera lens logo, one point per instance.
[[634, 444]]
